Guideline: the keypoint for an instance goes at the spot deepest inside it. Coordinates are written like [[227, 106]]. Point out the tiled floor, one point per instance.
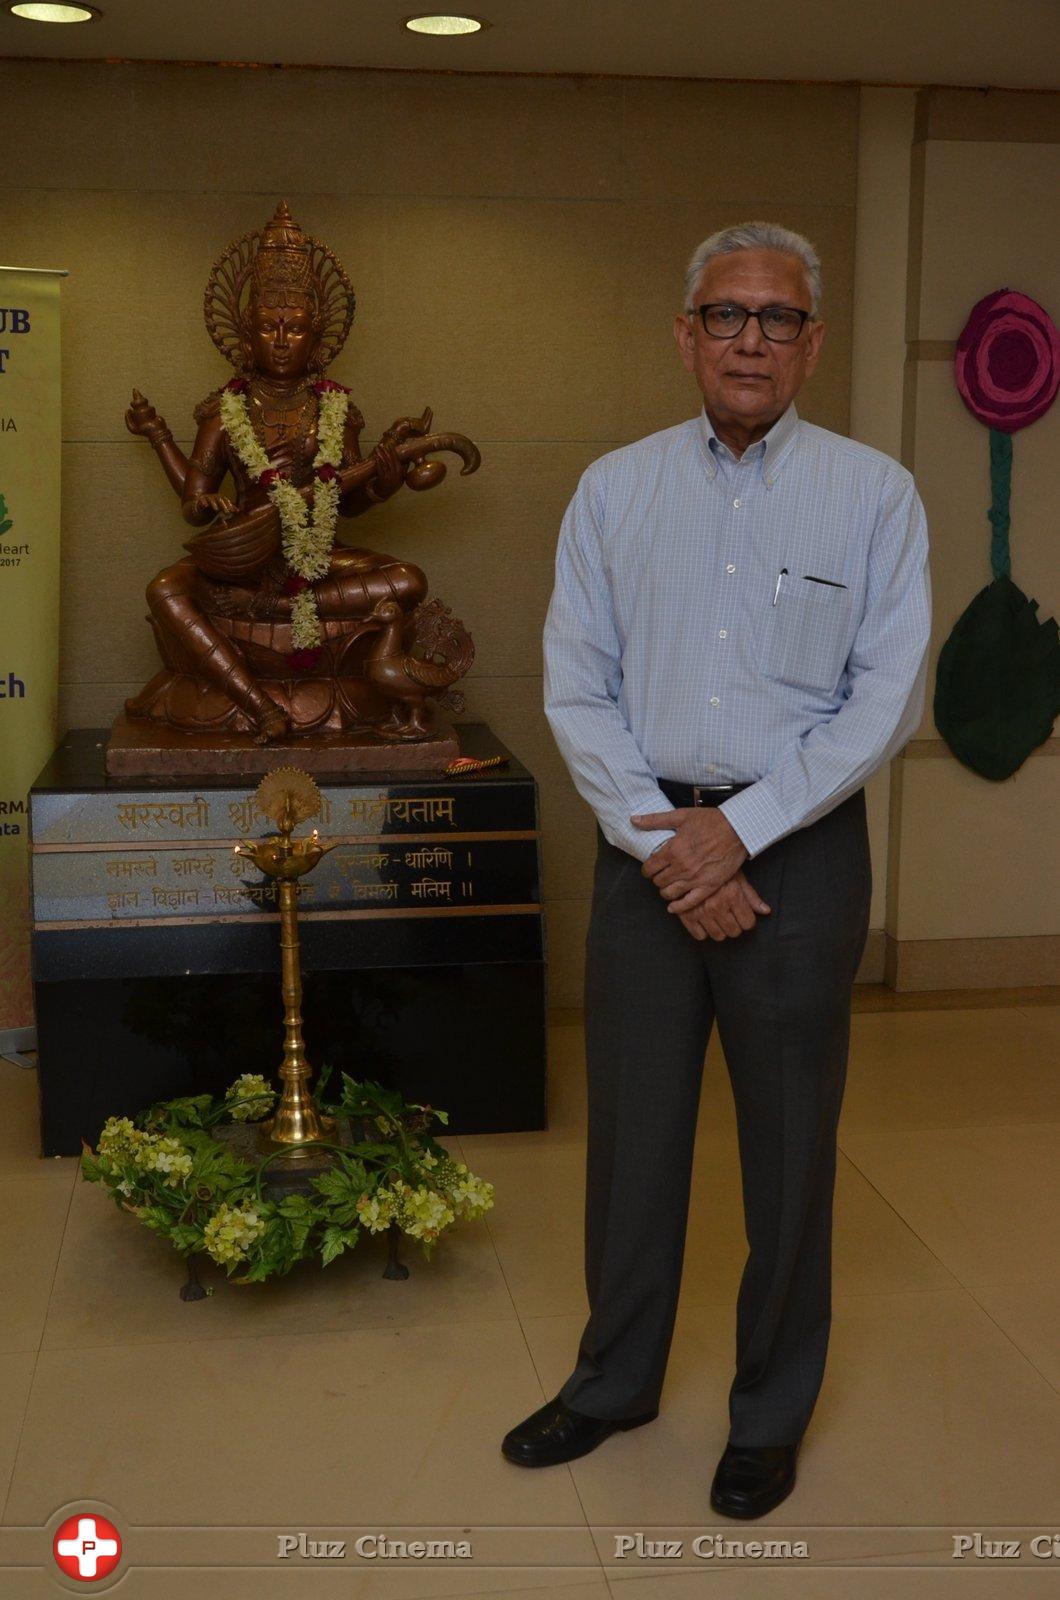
[[342, 1400]]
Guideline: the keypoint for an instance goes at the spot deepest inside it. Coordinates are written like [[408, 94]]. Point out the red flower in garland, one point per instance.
[[270, 476], [1008, 361], [237, 385], [326, 473], [328, 386], [294, 583], [305, 660]]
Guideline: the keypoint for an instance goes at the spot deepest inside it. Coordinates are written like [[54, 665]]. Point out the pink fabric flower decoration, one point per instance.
[[1008, 361], [305, 660]]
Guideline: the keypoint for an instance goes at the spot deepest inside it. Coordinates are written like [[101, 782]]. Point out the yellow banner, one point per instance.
[[30, 439]]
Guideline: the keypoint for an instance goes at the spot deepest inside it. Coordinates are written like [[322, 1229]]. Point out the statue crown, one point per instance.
[[282, 269]]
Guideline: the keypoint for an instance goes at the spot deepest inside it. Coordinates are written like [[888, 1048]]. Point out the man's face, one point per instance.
[[749, 380]]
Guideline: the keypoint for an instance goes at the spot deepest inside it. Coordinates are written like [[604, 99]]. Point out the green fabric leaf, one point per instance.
[[335, 1241], [997, 686], [188, 1111]]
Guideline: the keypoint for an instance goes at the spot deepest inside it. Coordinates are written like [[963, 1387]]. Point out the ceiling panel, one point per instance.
[[1004, 43]]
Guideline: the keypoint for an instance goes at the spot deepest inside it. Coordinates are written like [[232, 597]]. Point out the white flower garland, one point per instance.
[[307, 544]]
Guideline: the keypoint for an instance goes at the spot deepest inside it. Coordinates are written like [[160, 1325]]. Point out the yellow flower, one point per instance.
[[470, 1196], [231, 1231], [167, 1156], [250, 1098], [376, 1211], [119, 1141], [118, 1137], [424, 1213]]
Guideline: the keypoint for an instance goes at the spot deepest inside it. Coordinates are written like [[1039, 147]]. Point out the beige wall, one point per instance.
[[974, 864], [885, 135], [517, 247]]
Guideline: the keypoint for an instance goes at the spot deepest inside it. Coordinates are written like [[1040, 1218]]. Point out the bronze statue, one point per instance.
[[268, 626]]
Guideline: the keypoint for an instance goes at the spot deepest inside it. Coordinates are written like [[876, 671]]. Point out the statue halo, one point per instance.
[[226, 303]]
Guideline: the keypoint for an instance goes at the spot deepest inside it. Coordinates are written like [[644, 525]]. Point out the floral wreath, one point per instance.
[[306, 542], [167, 1167]]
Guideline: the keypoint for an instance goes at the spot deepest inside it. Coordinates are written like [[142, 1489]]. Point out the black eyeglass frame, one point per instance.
[[710, 305]]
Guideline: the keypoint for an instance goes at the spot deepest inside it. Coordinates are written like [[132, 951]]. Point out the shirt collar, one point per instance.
[[773, 448]]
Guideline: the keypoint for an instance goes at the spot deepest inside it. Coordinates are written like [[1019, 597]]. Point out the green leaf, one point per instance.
[[335, 1241], [189, 1111], [377, 1152], [333, 1184], [157, 1218], [332, 1245], [341, 1185], [299, 1208], [997, 686]]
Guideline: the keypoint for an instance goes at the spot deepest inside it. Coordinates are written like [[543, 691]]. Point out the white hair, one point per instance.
[[757, 236]]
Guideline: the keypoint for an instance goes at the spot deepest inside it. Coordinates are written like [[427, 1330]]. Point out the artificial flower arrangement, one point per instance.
[[167, 1168]]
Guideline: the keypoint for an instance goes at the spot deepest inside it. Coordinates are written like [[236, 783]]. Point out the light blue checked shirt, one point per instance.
[[671, 652]]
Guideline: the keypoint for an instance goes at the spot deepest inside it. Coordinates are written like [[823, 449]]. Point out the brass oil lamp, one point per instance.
[[288, 796]]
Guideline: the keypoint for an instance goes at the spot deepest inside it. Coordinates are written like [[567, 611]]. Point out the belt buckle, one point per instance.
[[702, 789]]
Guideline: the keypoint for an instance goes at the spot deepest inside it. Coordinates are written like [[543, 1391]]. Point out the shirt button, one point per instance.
[[723, 633], [737, 504], [714, 700], [711, 767], [730, 568]]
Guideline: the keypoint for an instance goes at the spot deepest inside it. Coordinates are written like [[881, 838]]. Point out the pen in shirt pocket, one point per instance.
[[782, 573]]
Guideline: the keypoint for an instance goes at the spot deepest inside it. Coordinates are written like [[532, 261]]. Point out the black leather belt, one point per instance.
[[699, 794]]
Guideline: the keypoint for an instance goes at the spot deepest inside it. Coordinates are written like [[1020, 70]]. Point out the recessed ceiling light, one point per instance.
[[52, 11], [447, 27]]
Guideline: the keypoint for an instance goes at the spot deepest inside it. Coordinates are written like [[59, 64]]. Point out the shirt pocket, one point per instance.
[[808, 635]]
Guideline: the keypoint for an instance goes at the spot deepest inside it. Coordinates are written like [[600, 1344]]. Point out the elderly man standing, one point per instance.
[[736, 641]]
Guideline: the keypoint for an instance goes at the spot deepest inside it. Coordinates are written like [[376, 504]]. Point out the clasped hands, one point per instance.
[[698, 872]]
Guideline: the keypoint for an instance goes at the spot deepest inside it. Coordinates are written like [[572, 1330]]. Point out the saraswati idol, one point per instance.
[[271, 631]]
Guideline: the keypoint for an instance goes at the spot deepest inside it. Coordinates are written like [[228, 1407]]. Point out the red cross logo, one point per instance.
[[87, 1547]]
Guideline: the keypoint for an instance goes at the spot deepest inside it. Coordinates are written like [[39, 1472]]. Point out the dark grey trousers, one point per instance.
[[781, 993]]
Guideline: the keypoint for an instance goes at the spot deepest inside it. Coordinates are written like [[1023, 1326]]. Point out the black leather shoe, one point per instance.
[[555, 1433], [752, 1479]]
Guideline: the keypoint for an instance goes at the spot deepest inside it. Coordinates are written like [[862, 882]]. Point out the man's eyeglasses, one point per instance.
[[723, 320]]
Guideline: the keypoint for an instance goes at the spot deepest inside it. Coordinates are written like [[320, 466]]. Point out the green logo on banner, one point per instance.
[[5, 520]]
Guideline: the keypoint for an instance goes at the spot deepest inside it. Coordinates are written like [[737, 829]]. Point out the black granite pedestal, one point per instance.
[[156, 949]]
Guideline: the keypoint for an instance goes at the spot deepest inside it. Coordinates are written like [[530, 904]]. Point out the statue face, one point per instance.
[[282, 339]]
